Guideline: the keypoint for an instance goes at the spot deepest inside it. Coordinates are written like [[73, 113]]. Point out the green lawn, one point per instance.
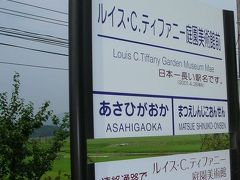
[[129, 148], [100, 150], [61, 166]]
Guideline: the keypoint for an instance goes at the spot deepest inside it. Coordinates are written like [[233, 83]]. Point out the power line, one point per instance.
[[35, 37], [29, 14], [45, 35], [35, 6], [13, 14], [33, 66], [32, 49]]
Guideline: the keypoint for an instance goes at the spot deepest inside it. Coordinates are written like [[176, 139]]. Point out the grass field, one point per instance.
[[129, 148], [100, 150]]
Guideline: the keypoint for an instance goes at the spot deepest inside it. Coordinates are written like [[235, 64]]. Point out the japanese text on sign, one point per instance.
[[143, 23], [196, 166]]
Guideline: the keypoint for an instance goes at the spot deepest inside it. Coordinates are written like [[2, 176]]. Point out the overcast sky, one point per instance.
[[38, 84]]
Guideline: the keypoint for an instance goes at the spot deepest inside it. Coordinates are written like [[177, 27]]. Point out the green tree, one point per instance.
[[22, 157], [213, 142]]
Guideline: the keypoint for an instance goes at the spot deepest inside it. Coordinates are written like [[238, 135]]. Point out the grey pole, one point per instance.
[[233, 104], [80, 81]]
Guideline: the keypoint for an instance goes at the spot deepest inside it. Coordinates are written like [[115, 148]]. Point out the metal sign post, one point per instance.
[[233, 100], [80, 83]]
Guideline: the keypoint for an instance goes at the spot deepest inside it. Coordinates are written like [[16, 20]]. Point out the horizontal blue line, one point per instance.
[[157, 46], [155, 96]]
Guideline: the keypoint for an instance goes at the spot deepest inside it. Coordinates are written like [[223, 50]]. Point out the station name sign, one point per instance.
[[158, 69]]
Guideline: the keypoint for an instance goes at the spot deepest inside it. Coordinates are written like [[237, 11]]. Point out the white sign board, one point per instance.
[[158, 68], [196, 166]]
